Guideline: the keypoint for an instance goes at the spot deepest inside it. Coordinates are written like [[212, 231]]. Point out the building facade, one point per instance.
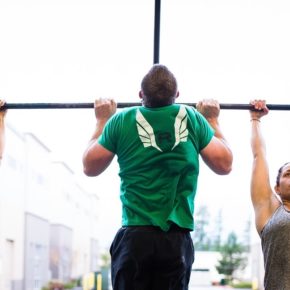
[[47, 220]]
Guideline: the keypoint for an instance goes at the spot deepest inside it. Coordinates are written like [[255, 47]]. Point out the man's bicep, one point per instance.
[[96, 159], [217, 156]]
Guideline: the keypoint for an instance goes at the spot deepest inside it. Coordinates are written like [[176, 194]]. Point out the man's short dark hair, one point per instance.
[[159, 87]]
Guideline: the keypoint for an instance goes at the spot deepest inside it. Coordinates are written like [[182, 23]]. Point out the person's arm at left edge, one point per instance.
[[2, 129], [96, 158]]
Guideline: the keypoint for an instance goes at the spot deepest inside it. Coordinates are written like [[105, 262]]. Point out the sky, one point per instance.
[[80, 50]]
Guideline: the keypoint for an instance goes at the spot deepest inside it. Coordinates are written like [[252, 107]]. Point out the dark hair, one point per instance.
[[159, 87], [280, 173]]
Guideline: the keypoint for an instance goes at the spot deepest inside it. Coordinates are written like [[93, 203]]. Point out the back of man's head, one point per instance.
[[159, 87]]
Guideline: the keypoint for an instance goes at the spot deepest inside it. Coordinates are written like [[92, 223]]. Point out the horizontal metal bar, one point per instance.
[[48, 105], [124, 105]]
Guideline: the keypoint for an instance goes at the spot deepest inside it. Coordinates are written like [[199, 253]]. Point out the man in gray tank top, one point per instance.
[[271, 207]]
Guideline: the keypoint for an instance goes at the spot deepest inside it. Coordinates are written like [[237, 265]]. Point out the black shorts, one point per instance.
[[147, 258]]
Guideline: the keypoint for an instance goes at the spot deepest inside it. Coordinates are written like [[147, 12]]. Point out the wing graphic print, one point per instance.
[[180, 127], [145, 131]]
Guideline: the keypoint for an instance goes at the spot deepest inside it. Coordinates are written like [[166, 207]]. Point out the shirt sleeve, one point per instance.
[[203, 131], [109, 137], [206, 131]]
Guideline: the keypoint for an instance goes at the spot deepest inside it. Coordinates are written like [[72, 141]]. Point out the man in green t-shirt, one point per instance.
[[158, 146]]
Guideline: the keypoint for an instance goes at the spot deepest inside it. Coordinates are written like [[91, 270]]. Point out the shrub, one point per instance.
[[242, 285]]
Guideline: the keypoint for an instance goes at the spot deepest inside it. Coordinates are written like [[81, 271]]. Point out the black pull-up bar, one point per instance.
[[278, 107]]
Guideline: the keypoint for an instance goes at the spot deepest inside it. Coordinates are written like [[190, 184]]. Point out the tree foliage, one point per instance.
[[204, 238], [232, 257], [200, 235], [106, 260]]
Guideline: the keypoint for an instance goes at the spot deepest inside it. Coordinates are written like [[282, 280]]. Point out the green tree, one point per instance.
[[106, 260], [247, 235], [200, 235], [217, 233], [233, 257]]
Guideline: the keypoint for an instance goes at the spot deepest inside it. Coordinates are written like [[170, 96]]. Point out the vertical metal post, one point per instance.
[[157, 31]]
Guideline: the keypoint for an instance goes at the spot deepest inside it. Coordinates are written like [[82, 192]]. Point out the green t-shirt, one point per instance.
[[158, 155]]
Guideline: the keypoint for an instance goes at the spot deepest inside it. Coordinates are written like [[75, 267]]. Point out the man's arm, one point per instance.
[[217, 154], [96, 158], [2, 129], [263, 198]]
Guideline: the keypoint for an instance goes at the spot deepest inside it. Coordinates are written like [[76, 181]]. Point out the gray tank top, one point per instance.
[[275, 239]]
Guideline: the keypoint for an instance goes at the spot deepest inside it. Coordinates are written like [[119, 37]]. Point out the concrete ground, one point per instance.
[[212, 288]]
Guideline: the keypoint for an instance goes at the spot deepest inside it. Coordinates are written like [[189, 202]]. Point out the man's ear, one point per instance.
[[177, 95], [140, 94]]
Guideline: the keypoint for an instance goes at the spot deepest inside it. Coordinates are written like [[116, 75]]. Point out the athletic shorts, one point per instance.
[[147, 258]]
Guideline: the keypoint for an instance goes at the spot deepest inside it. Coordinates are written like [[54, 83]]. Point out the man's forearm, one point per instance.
[[218, 133], [99, 129]]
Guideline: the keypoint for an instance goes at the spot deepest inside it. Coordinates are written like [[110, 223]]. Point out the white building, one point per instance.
[[204, 272], [12, 203], [47, 220]]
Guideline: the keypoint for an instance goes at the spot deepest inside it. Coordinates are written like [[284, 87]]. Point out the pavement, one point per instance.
[[213, 288], [202, 287]]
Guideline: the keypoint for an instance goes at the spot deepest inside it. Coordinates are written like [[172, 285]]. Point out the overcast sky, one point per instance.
[[78, 50]]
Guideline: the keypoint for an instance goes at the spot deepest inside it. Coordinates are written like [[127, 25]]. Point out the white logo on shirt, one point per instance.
[[146, 132]]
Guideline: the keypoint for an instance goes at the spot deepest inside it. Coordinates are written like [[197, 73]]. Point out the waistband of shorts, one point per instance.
[[173, 228]]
